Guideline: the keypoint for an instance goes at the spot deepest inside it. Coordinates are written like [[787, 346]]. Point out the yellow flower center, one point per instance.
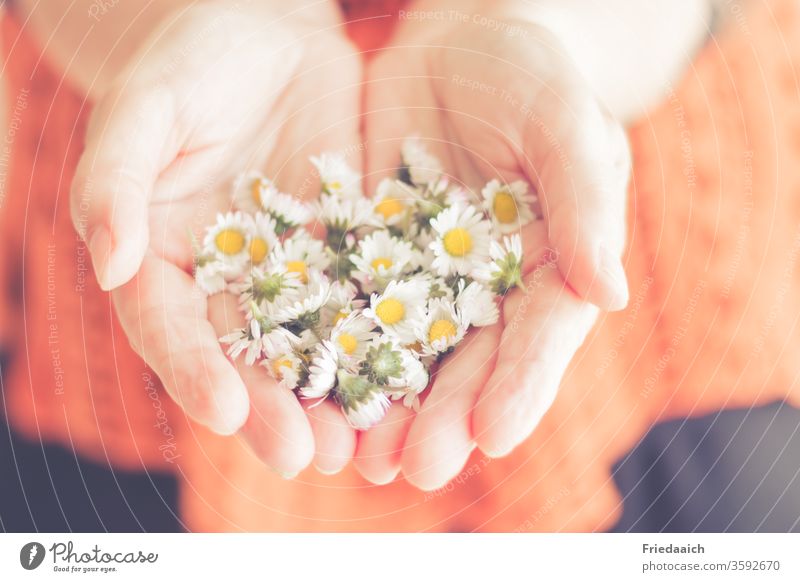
[[388, 207], [229, 241], [335, 185], [278, 365], [505, 208], [390, 311], [384, 262], [258, 250], [441, 329], [255, 191], [339, 317], [457, 242], [298, 267], [348, 342]]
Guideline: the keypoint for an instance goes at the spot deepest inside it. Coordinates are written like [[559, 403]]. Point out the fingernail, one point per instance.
[[282, 474], [497, 453], [325, 472], [100, 251], [385, 481], [613, 275], [222, 427]]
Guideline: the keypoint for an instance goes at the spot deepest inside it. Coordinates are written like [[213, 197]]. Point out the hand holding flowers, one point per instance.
[[215, 88], [507, 103]]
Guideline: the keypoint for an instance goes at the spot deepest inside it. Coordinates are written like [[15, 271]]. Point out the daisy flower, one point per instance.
[[423, 254], [415, 374], [415, 379], [399, 308], [383, 361], [364, 404], [365, 413], [505, 269], [287, 368], [380, 259], [322, 372], [304, 311], [248, 189], [243, 340], [396, 368], [392, 201], [261, 286], [341, 303], [342, 217], [336, 176], [455, 195], [423, 168], [509, 205], [477, 304], [287, 211], [229, 239], [210, 276], [263, 238], [353, 335], [431, 200], [442, 329], [462, 242], [346, 214], [300, 254], [261, 336]]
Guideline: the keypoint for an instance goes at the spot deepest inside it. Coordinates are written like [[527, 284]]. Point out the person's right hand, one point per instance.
[[218, 88]]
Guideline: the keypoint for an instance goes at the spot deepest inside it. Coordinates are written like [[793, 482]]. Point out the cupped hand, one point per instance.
[[495, 97], [218, 88]]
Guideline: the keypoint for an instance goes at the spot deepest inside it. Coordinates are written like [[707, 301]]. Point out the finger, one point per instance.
[[126, 142], [277, 428], [543, 330], [166, 322], [582, 177], [379, 449], [399, 106], [440, 439], [328, 123], [538, 108], [334, 438]]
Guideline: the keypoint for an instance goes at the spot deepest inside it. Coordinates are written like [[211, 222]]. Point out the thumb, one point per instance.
[[582, 169], [126, 141]]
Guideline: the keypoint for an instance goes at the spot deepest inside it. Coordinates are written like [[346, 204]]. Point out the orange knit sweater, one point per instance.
[[712, 323]]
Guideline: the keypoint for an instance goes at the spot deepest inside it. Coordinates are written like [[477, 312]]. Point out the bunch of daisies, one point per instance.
[[362, 314]]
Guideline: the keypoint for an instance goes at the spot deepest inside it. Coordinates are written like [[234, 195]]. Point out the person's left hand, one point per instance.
[[500, 99]]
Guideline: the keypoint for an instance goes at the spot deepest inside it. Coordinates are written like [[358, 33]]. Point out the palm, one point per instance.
[[490, 105], [246, 100]]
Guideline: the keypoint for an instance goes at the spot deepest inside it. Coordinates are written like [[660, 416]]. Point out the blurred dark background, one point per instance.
[[47, 488], [734, 471]]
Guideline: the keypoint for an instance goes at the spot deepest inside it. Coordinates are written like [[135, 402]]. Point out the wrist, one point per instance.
[[90, 41], [443, 18]]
